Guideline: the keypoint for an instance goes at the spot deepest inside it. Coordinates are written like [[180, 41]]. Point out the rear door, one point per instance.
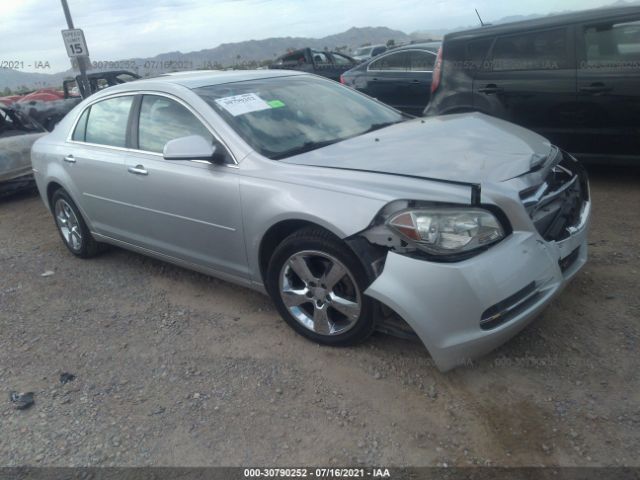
[[402, 79], [189, 210], [609, 88], [387, 79], [94, 159], [529, 78], [418, 81]]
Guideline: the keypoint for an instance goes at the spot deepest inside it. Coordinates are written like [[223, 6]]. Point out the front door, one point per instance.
[[189, 210]]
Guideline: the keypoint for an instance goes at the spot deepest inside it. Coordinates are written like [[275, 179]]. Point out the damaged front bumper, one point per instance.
[[463, 310]]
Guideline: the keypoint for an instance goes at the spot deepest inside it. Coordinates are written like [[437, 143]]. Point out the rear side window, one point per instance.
[[398, 61], [81, 127], [545, 50], [340, 59], [162, 119], [107, 122], [421, 61], [612, 45]]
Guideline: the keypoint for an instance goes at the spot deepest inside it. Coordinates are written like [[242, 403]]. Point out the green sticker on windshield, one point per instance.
[[275, 103]]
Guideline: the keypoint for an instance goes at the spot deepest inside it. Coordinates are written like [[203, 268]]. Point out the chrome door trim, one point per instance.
[[133, 93]]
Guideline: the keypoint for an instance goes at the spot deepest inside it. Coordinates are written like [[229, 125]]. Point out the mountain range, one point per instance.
[[224, 55]]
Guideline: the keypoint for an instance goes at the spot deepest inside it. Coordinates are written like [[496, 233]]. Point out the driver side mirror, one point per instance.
[[193, 147]]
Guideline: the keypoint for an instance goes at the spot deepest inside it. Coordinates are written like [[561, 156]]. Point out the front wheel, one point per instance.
[[317, 284]]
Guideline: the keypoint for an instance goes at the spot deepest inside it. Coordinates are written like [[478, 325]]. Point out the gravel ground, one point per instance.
[[175, 368]]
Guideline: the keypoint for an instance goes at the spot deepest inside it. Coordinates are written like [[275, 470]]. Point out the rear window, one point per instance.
[[544, 50]]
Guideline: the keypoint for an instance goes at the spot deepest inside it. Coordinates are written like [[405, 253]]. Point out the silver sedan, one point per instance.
[[352, 216]]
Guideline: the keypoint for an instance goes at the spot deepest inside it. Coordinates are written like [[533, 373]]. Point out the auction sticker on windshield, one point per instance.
[[241, 104]]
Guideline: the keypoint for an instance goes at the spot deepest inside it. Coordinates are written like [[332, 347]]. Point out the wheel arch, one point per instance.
[[52, 187], [276, 234]]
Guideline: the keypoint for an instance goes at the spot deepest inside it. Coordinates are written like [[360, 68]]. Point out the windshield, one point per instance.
[[363, 51], [284, 116]]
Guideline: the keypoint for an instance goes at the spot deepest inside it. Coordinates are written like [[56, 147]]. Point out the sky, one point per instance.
[[120, 29]]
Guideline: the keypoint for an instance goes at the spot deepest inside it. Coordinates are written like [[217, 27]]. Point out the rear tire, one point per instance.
[[317, 284], [71, 226]]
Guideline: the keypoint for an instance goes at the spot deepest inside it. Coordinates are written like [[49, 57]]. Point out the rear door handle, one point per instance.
[[490, 89], [138, 170], [595, 88], [69, 159]]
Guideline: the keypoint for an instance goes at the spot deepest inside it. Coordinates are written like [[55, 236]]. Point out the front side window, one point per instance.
[[281, 117], [399, 62], [545, 50], [107, 122], [613, 45], [421, 61], [163, 119]]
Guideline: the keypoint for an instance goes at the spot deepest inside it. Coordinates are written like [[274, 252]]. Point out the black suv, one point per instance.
[[574, 78]]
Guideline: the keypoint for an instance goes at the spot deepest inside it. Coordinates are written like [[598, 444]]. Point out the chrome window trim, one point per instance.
[[391, 52], [133, 93]]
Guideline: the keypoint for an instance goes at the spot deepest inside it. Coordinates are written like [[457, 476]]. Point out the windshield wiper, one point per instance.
[[378, 126], [305, 147]]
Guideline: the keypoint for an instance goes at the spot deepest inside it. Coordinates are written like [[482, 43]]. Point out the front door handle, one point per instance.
[[138, 170], [69, 159], [490, 89]]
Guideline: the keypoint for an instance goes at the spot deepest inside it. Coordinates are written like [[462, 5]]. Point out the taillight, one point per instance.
[[342, 79], [437, 72]]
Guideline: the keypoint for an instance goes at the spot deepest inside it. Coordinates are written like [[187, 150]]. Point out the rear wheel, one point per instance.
[[71, 226], [317, 284]]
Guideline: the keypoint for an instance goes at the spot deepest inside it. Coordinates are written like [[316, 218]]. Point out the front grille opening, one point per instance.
[[556, 205], [509, 308]]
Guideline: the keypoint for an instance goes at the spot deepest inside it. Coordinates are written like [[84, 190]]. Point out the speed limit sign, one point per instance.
[[75, 43]]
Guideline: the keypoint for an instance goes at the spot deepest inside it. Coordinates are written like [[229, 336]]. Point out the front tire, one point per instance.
[[71, 226], [317, 284]]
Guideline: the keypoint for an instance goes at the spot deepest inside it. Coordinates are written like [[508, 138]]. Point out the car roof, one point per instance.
[[547, 21], [205, 78], [433, 46]]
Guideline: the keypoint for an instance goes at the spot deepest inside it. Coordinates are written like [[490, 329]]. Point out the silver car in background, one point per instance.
[[349, 214]]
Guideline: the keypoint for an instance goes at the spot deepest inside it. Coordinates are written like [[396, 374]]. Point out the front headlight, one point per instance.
[[447, 231]]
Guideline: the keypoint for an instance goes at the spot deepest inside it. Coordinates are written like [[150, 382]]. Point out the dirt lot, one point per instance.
[[175, 368]]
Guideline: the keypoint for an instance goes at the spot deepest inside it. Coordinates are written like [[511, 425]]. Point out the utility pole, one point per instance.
[[83, 60]]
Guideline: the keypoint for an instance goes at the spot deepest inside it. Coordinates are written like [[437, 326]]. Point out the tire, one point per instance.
[[72, 227], [327, 309]]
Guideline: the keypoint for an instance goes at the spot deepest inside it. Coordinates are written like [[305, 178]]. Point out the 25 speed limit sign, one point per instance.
[[75, 43]]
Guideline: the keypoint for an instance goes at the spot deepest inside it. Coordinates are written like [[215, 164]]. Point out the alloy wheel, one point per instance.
[[320, 292], [68, 224]]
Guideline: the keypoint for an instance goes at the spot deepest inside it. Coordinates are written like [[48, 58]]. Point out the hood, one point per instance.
[[471, 148]]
